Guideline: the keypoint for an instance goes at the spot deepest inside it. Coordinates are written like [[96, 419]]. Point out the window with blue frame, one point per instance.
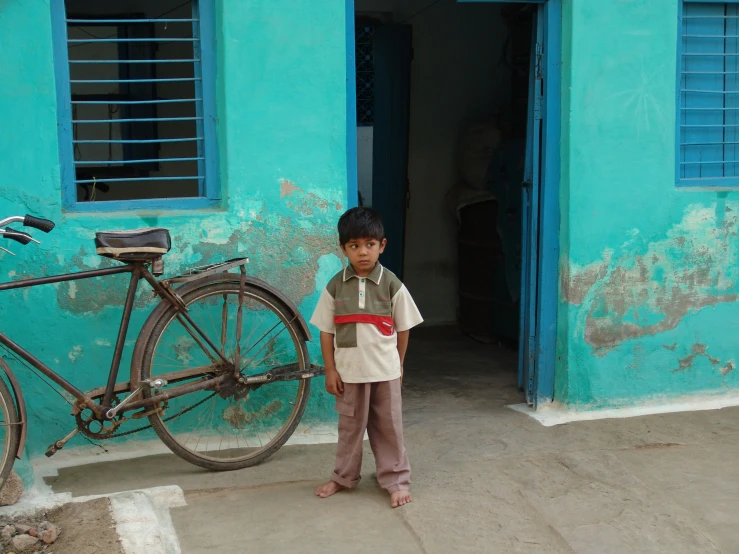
[[708, 119], [136, 96]]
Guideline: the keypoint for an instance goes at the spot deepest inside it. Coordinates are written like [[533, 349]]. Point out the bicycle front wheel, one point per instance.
[[10, 429], [220, 429]]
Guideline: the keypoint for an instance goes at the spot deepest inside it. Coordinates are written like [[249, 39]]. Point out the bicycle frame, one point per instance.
[[138, 271]]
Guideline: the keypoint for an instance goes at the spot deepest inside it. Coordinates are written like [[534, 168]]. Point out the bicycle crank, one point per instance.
[[58, 445]]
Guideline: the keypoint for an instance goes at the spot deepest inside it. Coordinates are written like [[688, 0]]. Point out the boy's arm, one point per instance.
[[323, 318], [334, 385], [405, 316]]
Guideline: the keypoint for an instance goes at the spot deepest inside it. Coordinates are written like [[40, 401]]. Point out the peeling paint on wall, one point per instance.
[[698, 350], [645, 288]]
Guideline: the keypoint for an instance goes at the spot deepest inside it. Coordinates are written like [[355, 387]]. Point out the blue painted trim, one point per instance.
[[524, 359], [135, 102], [93, 81], [107, 21], [352, 186], [118, 62], [550, 207], [209, 68], [123, 162], [211, 189], [678, 100], [88, 40], [63, 103], [139, 179], [197, 52], [168, 204], [712, 183], [131, 141], [134, 120]]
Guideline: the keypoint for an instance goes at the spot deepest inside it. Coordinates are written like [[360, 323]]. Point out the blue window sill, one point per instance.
[[154, 204], [711, 183]]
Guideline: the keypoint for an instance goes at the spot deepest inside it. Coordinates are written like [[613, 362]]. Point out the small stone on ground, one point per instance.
[[23, 542], [12, 490]]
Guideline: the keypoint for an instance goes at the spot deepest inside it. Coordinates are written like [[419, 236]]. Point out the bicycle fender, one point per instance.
[[20, 405], [258, 283], [138, 351]]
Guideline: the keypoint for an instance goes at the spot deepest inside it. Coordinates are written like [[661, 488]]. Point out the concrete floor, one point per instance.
[[485, 478]]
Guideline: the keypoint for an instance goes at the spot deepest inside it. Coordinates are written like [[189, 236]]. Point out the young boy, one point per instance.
[[364, 316]]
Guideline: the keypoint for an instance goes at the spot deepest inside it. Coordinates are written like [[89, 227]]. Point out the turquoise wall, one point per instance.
[[649, 272], [282, 141]]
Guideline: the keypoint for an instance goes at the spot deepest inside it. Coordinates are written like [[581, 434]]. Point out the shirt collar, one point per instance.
[[375, 275]]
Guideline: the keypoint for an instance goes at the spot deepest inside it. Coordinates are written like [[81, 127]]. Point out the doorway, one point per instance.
[[458, 149]]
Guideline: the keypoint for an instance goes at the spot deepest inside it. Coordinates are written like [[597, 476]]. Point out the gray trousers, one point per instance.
[[376, 408]]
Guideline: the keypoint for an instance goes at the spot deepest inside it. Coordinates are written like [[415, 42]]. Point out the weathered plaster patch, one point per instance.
[[287, 188], [577, 285], [647, 288], [280, 249], [698, 350], [728, 367], [94, 295], [305, 203], [75, 354]]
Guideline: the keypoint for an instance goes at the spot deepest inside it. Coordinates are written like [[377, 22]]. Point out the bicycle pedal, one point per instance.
[[58, 445]]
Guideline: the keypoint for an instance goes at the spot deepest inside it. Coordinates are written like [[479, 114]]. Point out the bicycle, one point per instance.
[[218, 400]]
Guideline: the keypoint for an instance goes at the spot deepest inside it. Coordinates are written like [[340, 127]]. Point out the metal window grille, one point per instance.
[[138, 121], [365, 69], [709, 93]]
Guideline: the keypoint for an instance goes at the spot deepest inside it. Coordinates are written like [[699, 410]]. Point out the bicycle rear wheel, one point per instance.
[[10, 430], [228, 429]]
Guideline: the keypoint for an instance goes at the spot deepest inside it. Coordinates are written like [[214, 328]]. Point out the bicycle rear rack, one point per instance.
[[206, 270]]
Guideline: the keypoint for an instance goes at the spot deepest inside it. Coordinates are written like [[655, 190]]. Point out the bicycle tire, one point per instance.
[[157, 328], [10, 444]]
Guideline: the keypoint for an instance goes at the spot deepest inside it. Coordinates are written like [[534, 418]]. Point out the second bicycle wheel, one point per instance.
[[228, 429], [10, 428]]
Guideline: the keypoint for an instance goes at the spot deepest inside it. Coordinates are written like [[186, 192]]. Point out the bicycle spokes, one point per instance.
[[238, 420]]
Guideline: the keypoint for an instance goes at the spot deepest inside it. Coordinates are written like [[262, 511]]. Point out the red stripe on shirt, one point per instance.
[[383, 322]]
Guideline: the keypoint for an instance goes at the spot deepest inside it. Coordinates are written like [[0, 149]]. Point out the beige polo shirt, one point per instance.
[[364, 314]]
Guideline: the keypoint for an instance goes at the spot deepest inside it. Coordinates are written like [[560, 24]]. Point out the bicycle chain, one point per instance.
[[166, 420]]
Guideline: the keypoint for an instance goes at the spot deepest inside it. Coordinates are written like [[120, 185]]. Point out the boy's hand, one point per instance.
[[334, 384]]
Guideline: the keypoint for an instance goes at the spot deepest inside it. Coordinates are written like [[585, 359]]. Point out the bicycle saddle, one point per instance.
[[136, 245]]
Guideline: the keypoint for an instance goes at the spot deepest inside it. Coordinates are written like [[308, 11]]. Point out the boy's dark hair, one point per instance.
[[360, 223]]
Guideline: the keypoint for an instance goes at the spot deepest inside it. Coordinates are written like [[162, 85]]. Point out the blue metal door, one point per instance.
[[528, 343], [390, 194]]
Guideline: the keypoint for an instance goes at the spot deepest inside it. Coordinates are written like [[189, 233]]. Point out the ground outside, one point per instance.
[[485, 478]]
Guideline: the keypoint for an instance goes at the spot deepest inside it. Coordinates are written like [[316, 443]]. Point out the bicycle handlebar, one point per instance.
[[18, 236], [44, 225]]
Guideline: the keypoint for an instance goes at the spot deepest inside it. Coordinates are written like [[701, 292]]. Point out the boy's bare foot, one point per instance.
[[400, 498], [328, 489]]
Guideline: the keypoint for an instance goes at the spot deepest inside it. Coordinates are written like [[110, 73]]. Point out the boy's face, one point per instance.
[[363, 254]]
